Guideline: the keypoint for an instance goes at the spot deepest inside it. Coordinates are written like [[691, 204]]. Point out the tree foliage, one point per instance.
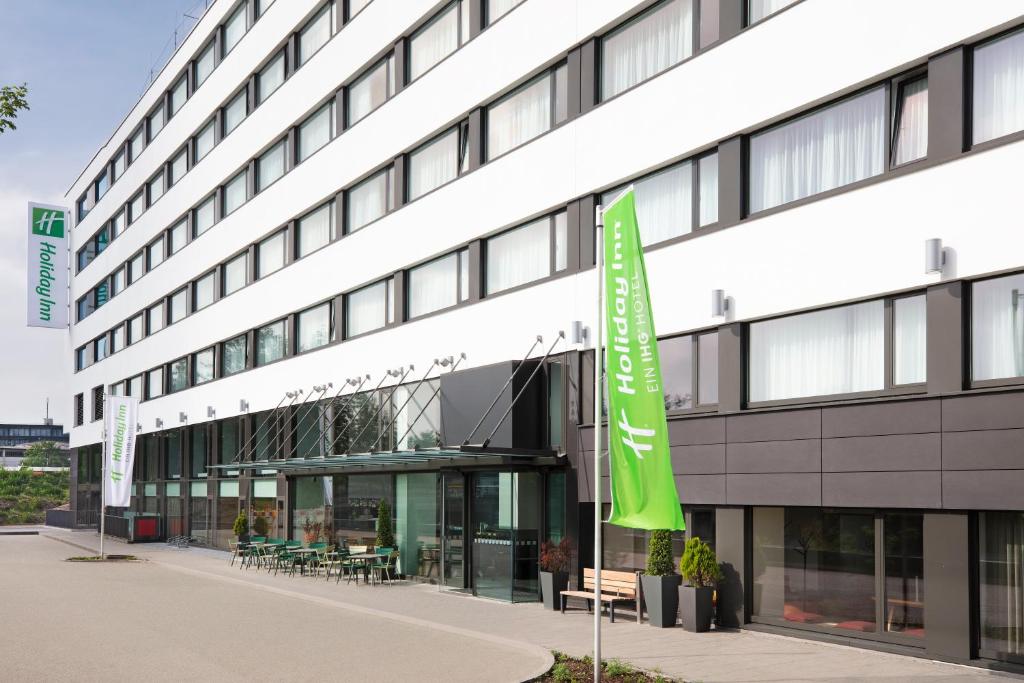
[[659, 553], [12, 100], [385, 535], [25, 496], [45, 454], [241, 525], [699, 566]]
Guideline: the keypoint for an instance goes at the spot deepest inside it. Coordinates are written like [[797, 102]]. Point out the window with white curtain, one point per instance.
[[834, 351], [438, 39], [371, 90], [179, 166], [235, 112], [646, 46], [270, 254], [434, 285], [366, 309], [179, 94], [910, 128], [270, 166], [664, 203], [997, 328], [155, 383], [434, 164], [137, 144], [315, 34], [202, 366], [271, 342], [313, 328], [117, 282], [234, 29], [136, 329], [204, 65], [204, 141], [235, 273], [707, 184], [235, 192], [524, 254], [117, 223], [909, 340], [314, 231], [997, 97], [156, 187], [203, 291], [177, 236], [155, 253], [315, 132], [356, 6], [759, 9], [496, 9], [156, 121], [119, 166], [136, 207], [117, 339], [835, 146], [270, 78], [177, 306], [527, 112], [136, 267], [203, 217], [369, 200]]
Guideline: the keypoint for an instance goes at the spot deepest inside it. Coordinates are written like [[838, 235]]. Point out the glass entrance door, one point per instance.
[[453, 523], [505, 515]]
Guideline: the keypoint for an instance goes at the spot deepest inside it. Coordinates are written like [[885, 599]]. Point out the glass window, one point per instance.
[[83, 357], [315, 132], [178, 375], [101, 348], [270, 78], [234, 29], [664, 203], [646, 46], [202, 366], [998, 88], [313, 328], [830, 148], [235, 273], [910, 130], [102, 185], [155, 318], [204, 65], [117, 339], [434, 164], [101, 293], [314, 231], [463, 256], [270, 254], [177, 237], [707, 174], [561, 241], [356, 6], [156, 187], [522, 115], [234, 355], [119, 166], [178, 306], [759, 9], [203, 291], [369, 200], [433, 286], [156, 121], [155, 383], [271, 342], [707, 369], [997, 328], [179, 166], [676, 356], [117, 282], [496, 9], [205, 140], [179, 93], [137, 143], [136, 207], [117, 389], [235, 112], [198, 453], [1000, 583], [118, 223], [235, 192], [136, 267], [134, 387], [203, 217], [519, 256], [366, 310], [262, 6], [909, 340], [436, 40], [135, 329], [834, 351], [270, 166], [371, 90], [315, 34]]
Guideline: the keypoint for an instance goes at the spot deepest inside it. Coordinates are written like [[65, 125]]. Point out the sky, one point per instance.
[[86, 63]]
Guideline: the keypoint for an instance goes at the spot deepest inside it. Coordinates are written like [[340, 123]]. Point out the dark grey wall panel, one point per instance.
[[983, 411], [873, 419], [945, 332], [693, 431], [773, 489], [780, 426], [983, 490], [947, 577], [730, 18], [882, 489], [730, 365], [774, 456], [730, 181], [998, 449], [707, 459], [882, 453], [701, 489], [946, 105]]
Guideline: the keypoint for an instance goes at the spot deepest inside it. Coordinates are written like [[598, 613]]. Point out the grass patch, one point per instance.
[[108, 558], [25, 496], [581, 670]]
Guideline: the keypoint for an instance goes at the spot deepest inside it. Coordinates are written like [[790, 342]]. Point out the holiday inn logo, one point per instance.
[[48, 222], [47, 265]]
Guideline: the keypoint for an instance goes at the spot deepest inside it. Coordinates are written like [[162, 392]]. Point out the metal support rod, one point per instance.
[[330, 403], [462, 357], [598, 399], [238, 458], [321, 391], [408, 398], [103, 481], [561, 335], [405, 373], [487, 412], [356, 393], [294, 395]]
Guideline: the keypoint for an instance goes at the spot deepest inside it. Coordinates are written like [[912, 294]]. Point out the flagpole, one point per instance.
[[103, 478], [598, 397]]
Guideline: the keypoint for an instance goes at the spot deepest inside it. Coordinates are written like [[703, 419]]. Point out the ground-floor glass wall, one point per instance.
[[263, 517], [1001, 585], [313, 509], [175, 524], [357, 499], [199, 512], [227, 510], [418, 524], [505, 509]]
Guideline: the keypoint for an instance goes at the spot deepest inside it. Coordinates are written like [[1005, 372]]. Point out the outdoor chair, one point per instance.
[[335, 560], [233, 546], [385, 566]]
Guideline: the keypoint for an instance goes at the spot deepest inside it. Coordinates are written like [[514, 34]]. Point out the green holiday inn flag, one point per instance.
[[643, 489]]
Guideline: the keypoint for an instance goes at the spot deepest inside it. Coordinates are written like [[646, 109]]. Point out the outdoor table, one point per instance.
[[303, 551], [365, 558]]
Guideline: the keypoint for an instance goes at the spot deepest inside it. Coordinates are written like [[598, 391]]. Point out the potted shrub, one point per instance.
[[241, 527], [660, 582], [385, 535], [699, 567], [554, 572], [259, 525]]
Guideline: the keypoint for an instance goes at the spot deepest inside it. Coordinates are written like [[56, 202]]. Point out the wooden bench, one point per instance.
[[615, 587]]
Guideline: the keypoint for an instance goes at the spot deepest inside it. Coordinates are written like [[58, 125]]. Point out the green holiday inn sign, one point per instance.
[[47, 266]]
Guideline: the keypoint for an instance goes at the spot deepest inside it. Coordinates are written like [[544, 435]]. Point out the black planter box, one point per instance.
[[661, 595], [696, 609], [551, 586]]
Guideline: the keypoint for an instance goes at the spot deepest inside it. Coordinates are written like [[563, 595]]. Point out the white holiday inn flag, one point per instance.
[[119, 413]]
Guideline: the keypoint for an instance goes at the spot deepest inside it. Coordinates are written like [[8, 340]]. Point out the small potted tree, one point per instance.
[[385, 535], [554, 572], [241, 527], [699, 567], [259, 525], [660, 582]]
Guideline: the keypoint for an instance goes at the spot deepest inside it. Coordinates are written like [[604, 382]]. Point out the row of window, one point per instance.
[[31, 431]]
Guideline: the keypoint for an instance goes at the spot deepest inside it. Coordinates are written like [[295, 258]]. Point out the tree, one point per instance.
[[385, 536], [45, 454], [12, 100]]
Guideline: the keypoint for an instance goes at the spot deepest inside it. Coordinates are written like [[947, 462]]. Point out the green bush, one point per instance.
[[241, 525], [25, 496], [699, 566], [259, 525], [385, 536], [659, 553]]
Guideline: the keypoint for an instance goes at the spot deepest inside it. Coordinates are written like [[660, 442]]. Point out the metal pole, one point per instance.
[[398, 412], [390, 373], [515, 399], [324, 414], [487, 412], [321, 391], [462, 357], [598, 397], [103, 479], [352, 398]]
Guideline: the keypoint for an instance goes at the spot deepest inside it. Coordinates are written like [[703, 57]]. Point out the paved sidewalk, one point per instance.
[[722, 656]]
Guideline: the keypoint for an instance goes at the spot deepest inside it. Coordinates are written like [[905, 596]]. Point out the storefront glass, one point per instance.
[[418, 525], [263, 518], [356, 500], [1001, 584], [505, 510], [313, 509]]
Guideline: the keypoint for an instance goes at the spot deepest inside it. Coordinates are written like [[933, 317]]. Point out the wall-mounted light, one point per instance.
[[210, 412], [159, 423], [577, 332], [719, 303], [138, 426], [934, 256], [182, 418], [243, 405]]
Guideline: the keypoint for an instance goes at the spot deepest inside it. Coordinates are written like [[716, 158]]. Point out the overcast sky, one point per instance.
[[86, 62]]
